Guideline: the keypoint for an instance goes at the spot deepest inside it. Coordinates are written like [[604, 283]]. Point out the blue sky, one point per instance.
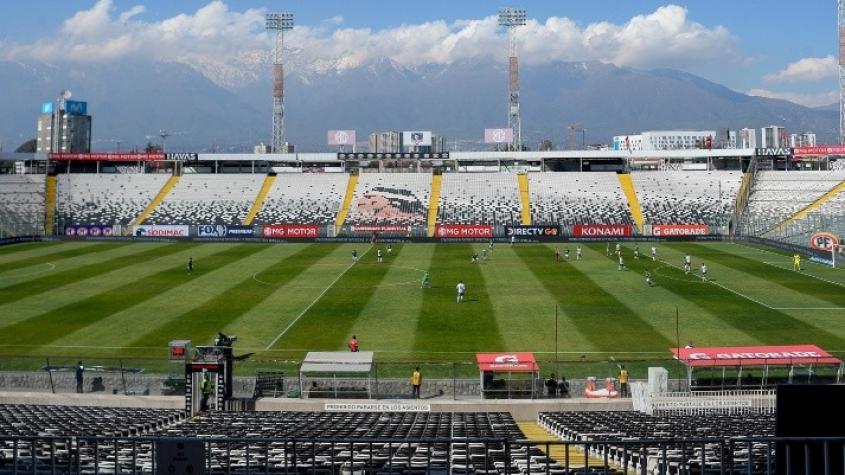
[[759, 39]]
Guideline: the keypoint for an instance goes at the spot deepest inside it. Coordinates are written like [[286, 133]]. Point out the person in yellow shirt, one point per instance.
[[623, 382], [796, 262], [416, 382]]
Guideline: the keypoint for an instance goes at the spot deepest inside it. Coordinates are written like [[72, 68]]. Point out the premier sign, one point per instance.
[[602, 230]]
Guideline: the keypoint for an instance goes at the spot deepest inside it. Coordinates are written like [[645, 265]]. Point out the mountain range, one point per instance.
[[225, 108]]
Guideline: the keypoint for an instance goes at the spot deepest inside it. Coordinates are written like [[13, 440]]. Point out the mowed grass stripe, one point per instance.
[[54, 279], [200, 324], [792, 280], [758, 322], [62, 254], [783, 260], [602, 318], [390, 317], [193, 291], [445, 325], [26, 249], [327, 322], [52, 325]]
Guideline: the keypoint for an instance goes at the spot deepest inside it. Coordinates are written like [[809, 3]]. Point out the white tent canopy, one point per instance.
[[337, 362], [336, 374]]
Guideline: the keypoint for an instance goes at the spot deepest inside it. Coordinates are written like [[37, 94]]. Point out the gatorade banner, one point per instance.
[[754, 355], [463, 231], [668, 230], [290, 231], [602, 230]]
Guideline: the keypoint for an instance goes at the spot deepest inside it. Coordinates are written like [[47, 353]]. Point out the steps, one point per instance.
[[269, 180], [162, 194], [434, 203], [576, 459], [627, 184], [50, 204], [347, 202], [524, 198], [820, 201]]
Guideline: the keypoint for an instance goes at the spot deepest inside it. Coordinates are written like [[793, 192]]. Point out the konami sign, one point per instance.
[[669, 230], [463, 231], [602, 230]]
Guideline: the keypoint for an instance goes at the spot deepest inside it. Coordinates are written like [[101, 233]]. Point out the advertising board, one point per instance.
[[341, 137], [602, 230], [161, 230], [416, 138], [290, 231], [669, 230], [222, 231], [87, 230], [532, 231], [463, 231]]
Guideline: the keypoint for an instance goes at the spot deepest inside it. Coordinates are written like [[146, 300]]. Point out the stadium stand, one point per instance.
[[32, 420], [391, 198], [488, 198], [687, 197], [628, 426], [776, 196], [577, 198], [105, 198], [209, 199], [303, 199], [22, 204]]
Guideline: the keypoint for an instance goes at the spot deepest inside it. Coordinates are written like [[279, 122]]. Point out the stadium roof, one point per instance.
[[754, 356], [337, 362]]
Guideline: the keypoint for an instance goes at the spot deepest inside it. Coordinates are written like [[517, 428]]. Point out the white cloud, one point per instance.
[[806, 70], [809, 100], [216, 35]]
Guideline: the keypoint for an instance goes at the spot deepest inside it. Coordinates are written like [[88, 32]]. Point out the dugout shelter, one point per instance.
[[509, 375], [337, 374], [750, 367]]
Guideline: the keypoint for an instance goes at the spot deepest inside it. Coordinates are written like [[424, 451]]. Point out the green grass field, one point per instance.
[[91, 300]]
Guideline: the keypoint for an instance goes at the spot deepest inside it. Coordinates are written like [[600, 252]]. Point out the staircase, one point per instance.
[[269, 180], [434, 203], [576, 458], [627, 185], [162, 194], [347, 202], [50, 204], [524, 198]]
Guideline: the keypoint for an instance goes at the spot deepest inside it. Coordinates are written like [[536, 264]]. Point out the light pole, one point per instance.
[[278, 23], [512, 18]]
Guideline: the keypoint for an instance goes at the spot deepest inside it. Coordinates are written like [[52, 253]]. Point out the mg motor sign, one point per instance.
[[824, 241], [463, 231], [290, 231], [602, 230], [533, 231], [161, 230], [820, 150], [668, 230]]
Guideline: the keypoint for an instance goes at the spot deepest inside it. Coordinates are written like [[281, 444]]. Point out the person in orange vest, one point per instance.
[[353, 344], [416, 382]]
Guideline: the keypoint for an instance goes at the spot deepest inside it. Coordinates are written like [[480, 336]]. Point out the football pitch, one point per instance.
[[76, 299]]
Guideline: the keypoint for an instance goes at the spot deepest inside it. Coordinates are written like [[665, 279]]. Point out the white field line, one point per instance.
[[804, 273], [314, 301], [12, 275]]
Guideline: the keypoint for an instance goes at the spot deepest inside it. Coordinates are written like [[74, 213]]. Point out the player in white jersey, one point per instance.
[[461, 289], [703, 272], [637, 251], [379, 255], [621, 262], [653, 253], [578, 253]]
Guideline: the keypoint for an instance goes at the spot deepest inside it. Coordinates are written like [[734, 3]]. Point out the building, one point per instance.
[[773, 136], [748, 138], [806, 139], [64, 127], [262, 148], [666, 140], [385, 142]]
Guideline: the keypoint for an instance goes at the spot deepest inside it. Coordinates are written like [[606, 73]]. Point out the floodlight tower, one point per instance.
[[278, 23], [511, 18], [841, 24]]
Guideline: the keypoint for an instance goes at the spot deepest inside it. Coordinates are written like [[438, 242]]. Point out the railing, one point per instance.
[[443, 456], [707, 402]]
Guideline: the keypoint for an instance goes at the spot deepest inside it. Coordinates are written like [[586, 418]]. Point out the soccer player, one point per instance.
[[654, 253], [703, 272], [607, 249], [687, 264], [462, 289], [566, 254], [484, 253], [621, 262], [190, 265], [425, 280], [513, 240], [557, 253], [389, 249], [648, 278], [474, 258], [637, 252], [491, 244], [379, 256], [355, 255], [618, 249], [578, 253], [796, 262]]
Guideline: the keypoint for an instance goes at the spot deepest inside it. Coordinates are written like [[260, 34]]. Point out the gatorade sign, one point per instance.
[[668, 230], [824, 241]]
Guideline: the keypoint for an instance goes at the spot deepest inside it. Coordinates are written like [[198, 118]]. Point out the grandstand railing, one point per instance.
[[705, 402], [444, 456]]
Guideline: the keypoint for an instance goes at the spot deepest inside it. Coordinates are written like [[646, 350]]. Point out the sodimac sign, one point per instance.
[[668, 230], [290, 231], [463, 231], [602, 230]]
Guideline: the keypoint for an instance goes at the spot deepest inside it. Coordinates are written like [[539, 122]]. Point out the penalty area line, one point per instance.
[[727, 288], [280, 335]]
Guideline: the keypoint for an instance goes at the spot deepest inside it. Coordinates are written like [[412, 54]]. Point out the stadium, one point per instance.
[[610, 310]]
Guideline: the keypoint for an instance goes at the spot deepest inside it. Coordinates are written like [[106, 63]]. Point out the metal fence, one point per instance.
[[327, 456]]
